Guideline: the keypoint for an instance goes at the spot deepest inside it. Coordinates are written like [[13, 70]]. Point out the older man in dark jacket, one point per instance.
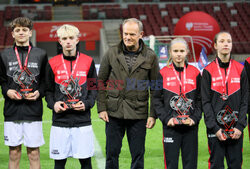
[[127, 72]]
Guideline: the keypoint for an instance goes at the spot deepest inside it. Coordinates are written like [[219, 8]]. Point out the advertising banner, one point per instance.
[[202, 27], [46, 31]]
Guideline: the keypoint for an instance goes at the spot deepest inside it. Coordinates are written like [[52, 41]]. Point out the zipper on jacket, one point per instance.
[[22, 58], [226, 82], [180, 80], [70, 66]]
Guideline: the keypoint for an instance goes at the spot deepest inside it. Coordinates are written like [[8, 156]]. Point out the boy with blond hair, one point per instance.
[[68, 96]]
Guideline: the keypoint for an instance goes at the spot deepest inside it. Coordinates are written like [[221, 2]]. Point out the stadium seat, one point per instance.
[[232, 17]]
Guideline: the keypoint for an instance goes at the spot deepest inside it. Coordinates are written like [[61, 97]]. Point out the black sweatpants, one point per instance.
[[182, 138], [136, 132], [231, 149]]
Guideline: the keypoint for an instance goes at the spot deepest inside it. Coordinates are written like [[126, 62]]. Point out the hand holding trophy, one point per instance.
[[227, 118], [181, 105], [32, 96], [80, 106], [24, 78], [71, 89]]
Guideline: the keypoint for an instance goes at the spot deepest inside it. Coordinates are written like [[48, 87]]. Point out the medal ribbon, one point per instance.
[[74, 67], [183, 87], [226, 79], [26, 60]]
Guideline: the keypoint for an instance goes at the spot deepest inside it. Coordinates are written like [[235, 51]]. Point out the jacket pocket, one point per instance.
[[142, 103], [112, 100], [143, 71], [146, 66]]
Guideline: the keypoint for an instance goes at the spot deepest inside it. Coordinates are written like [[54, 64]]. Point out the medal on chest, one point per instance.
[[224, 96]]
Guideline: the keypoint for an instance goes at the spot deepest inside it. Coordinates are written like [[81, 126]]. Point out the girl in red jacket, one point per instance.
[[224, 90], [178, 106]]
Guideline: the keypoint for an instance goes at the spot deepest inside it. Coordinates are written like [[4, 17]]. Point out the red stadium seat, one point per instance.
[[154, 20]]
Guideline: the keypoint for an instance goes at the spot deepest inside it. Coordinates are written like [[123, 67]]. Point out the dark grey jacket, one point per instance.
[[122, 93], [23, 109]]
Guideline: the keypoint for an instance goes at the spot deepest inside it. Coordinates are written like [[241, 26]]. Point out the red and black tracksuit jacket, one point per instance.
[[212, 89], [180, 136], [247, 68], [171, 87], [56, 74]]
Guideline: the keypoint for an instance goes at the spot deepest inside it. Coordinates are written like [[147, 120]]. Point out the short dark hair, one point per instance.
[[21, 21]]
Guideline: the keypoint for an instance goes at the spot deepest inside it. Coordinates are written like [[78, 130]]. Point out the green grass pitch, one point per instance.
[[154, 148]]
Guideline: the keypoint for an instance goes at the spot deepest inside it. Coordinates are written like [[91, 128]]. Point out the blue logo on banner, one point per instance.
[[163, 52]]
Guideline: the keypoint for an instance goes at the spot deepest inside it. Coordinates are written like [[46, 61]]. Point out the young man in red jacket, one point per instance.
[[68, 96]]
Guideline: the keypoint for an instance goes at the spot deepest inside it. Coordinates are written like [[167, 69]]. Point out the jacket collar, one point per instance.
[[24, 46], [140, 59], [70, 58], [122, 48], [222, 64], [180, 69], [126, 52]]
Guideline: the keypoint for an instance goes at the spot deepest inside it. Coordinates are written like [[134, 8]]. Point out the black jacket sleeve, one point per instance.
[[247, 68], [158, 103], [42, 76], [197, 114], [242, 119], [49, 87], [4, 78], [206, 94], [92, 93]]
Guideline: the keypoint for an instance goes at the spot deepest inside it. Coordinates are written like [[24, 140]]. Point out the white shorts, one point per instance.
[[29, 133], [76, 142]]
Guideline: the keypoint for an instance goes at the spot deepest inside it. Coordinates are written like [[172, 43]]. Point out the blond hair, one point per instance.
[[174, 41], [68, 30]]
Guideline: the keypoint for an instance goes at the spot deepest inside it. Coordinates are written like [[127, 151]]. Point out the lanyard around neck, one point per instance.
[[74, 67], [228, 72], [183, 87], [19, 60]]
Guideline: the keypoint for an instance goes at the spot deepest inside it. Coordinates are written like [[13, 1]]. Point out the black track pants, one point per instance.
[[231, 149], [182, 138]]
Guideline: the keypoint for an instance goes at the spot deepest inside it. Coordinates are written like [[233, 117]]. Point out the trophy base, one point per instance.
[[78, 104], [25, 93], [25, 90], [28, 95], [68, 104], [227, 133], [182, 120]]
